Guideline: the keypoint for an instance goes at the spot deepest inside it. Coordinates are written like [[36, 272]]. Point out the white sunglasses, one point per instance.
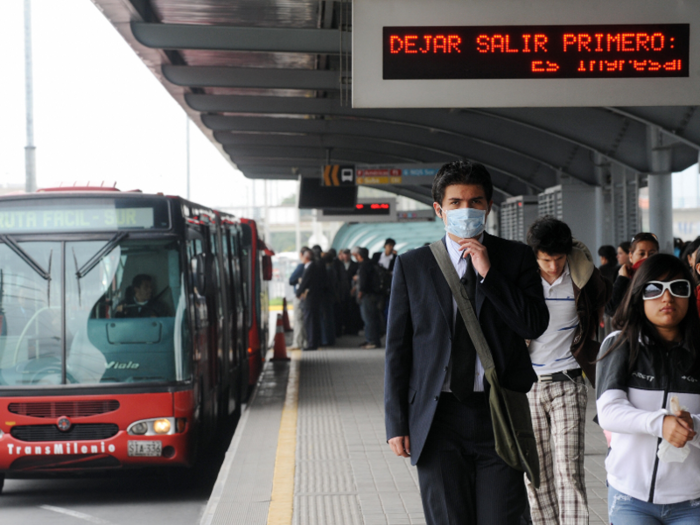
[[655, 289]]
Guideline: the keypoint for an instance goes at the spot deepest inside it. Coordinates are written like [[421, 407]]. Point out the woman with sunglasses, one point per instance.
[[643, 246], [650, 360]]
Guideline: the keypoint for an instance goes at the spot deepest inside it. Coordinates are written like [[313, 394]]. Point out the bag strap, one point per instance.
[[459, 292]]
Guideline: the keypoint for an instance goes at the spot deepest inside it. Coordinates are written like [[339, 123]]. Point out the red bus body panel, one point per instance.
[[112, 452]]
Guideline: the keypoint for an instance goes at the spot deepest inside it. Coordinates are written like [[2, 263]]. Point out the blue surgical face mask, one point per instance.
[[465, 223]]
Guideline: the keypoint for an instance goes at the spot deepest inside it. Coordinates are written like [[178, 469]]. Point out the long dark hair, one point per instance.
[[631, 320]]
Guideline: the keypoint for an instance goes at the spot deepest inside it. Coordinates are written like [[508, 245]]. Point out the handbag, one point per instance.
[[510, 410]]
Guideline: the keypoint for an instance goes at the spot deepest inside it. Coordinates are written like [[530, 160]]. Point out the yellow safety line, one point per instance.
[[282, 498]]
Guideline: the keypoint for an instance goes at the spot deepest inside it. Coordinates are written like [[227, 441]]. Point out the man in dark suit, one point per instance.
[[436, 401], [310, 291]]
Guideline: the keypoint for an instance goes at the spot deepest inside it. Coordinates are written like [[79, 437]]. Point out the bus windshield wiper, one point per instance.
[[12, 245], [101, 253], [46, 275]]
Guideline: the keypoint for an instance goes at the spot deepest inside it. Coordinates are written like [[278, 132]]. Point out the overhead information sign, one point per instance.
[[383, 174], [509, 53], [609, 51]]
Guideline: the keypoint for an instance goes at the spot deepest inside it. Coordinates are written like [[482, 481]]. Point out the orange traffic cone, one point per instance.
[[280, 345], [285, 317]]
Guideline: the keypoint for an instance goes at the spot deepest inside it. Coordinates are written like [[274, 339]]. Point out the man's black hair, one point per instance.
[[364, 253], [550, 236], [303, 248], [461, 172], [140, 278], [607, 251], [390, 241]]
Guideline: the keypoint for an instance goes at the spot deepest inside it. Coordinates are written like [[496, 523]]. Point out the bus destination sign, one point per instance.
[[536, 52], [16, 220]]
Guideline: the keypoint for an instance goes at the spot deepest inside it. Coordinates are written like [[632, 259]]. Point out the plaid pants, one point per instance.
[[558, 419]]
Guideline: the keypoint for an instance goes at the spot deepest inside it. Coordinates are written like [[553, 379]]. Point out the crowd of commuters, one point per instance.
[[540, 309], [341, 293]]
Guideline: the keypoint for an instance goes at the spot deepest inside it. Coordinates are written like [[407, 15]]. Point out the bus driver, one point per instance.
[[139, 300]]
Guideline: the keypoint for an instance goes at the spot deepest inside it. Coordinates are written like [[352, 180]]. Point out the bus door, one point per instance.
[[239, 331], [199, 309], [215, 299]]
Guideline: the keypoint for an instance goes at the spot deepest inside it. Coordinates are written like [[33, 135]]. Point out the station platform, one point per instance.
[[310, 449]]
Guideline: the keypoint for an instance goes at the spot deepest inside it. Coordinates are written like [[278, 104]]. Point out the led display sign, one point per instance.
[[60, 216], [556, 51], [451, 54], [361, 210], [366, 210]]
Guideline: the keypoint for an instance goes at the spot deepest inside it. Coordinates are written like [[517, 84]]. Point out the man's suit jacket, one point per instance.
[[509, 304], [313, 280]]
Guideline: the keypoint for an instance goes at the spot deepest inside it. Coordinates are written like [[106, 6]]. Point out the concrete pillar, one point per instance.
[[603, 234], [660, 188]]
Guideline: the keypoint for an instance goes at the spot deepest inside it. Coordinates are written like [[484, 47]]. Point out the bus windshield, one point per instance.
[[119, 318]]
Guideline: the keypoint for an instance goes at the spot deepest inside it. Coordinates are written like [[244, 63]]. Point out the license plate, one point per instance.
[[146, 448]]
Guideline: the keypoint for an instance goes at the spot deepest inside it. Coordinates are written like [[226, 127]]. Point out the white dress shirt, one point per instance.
[[460, 264], [551, 352]]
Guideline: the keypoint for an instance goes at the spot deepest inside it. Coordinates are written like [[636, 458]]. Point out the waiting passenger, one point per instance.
[[139, 300], [623, 253], [643, 245], [648, 396]]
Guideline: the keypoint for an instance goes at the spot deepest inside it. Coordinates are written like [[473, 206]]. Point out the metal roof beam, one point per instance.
[[435, 119], [668, 132], [233, 38], [298, 131], [278, 143], [249, 77]]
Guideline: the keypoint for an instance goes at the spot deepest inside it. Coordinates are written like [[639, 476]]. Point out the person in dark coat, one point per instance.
[[330, 300], [310, 290], [608, 262], [350, 310], [435, 397], [386, 258], [368, 299]]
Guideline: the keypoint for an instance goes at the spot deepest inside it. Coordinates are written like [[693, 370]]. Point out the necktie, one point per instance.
[[463, 351]]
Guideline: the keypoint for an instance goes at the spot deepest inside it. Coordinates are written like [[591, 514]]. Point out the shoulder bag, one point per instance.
[[510, 410]]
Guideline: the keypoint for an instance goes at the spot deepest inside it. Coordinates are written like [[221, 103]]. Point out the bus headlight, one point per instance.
[[161, 426], [156, 426], [139, 428]]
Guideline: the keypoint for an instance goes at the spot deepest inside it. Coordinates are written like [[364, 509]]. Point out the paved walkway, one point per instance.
[[345, 473]]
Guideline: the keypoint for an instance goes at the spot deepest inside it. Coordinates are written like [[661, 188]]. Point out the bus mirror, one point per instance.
[[266, 268]]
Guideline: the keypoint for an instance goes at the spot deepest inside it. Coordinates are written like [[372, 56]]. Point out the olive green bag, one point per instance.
[[510, 410]]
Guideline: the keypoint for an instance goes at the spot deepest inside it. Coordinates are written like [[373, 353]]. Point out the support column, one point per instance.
[[603, 234], [660, 188]]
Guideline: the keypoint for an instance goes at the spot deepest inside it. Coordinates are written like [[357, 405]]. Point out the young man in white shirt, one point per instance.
[[575, 294]]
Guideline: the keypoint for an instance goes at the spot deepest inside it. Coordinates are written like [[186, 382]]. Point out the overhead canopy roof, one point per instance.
[[264, 81]]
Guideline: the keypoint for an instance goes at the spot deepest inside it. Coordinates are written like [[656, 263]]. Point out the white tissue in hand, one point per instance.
[[667, 452]]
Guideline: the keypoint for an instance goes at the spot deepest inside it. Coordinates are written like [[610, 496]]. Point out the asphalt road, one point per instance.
[[137, 497]]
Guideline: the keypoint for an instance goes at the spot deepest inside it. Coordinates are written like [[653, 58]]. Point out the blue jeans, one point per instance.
[[626, 510], [370, 316]]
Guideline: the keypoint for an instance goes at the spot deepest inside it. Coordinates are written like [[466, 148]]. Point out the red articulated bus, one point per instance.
[[125, 321]]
